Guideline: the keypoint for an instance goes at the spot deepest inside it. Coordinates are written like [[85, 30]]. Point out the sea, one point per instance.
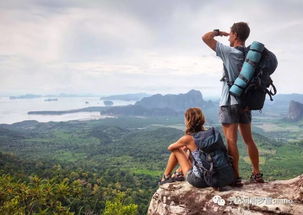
[[15, 110]]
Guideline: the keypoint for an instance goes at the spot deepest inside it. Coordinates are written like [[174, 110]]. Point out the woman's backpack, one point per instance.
[[216, 167]]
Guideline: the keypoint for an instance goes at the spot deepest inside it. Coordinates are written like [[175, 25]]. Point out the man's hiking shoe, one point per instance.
[[223, 189], [237, 182], [256, 178]]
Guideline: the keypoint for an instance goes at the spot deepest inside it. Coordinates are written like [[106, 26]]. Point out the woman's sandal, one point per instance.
[[178, 176], [165, 179]]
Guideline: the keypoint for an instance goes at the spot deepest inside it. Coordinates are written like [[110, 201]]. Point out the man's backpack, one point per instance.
[[216, 167], [254, 93]]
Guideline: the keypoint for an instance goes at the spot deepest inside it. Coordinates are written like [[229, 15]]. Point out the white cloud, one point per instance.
[[113, 46]]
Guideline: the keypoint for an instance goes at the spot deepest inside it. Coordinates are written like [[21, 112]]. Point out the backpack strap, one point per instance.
[[253, 63], [225, 78], [271, 93], [243, 78], [207, 174], [243, 49]]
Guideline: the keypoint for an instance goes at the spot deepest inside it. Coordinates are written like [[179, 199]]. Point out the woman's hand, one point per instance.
[[184, 148], [181, 143]]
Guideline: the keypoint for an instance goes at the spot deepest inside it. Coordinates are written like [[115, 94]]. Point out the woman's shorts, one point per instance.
[[195, 180]]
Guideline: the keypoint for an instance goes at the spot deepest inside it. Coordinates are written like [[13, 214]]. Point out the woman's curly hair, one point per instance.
[[194, 120]]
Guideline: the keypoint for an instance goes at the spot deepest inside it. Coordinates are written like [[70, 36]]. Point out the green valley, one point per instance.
[[85, 167]]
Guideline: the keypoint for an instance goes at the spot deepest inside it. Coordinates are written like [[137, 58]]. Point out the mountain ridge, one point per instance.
[[162, 105]]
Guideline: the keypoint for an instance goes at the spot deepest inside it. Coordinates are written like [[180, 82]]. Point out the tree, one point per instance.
[[118, 206]]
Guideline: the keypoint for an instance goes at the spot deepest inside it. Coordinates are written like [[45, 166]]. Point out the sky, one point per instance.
[[129, 46]]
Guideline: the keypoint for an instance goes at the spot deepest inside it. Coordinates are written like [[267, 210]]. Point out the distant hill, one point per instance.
[[178, 103], [280, 103], [33, 96], [126, 97], [289, 97], [155, 105], [137, 110], [162, 105], [284, 99], [87, 109], [295, 111], [27, 96]]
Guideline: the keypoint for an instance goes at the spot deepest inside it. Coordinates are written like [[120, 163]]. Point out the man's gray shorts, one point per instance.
[[234, 114]]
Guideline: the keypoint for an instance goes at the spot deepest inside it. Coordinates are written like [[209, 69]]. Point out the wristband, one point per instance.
[[216, 32]]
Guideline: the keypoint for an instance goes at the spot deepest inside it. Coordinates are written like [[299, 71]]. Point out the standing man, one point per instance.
[[231, 115]]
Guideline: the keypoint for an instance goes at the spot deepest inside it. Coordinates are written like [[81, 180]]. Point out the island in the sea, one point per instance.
[[108, 103]]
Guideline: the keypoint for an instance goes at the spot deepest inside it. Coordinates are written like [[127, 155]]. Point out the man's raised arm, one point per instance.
[[208, 38]]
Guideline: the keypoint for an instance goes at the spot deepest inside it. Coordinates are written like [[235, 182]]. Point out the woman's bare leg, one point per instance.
[[178, 156], [171, 164]]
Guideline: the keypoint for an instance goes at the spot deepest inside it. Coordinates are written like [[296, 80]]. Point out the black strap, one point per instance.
[[270, 96], [243, 78], [242, 49], [271, 93], [225, 76], [240, 87], [274, 89], [253, 63], [256, 50]]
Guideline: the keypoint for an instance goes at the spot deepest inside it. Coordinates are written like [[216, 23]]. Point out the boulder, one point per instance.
[[275, 197]]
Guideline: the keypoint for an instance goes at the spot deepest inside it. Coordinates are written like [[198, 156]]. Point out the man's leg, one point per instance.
[[230, 133], [251, 146]]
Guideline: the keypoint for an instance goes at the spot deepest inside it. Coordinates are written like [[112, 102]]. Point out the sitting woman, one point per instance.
[[201, 155]]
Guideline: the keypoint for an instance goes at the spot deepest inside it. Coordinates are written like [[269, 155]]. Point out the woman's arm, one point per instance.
[[183, 141]]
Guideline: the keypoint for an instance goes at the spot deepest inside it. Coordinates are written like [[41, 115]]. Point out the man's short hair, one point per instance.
[[242, 29]]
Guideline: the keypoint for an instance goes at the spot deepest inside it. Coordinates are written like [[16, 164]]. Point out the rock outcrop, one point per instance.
[[295, 111], [276, 197]]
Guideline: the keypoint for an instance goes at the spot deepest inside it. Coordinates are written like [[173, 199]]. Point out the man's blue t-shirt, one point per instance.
[[232, 59]]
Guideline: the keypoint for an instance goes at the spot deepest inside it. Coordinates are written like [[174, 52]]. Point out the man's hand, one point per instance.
[[208, 38]]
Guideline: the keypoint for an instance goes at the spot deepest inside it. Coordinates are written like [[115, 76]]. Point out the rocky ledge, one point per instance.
[[275, 197]]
